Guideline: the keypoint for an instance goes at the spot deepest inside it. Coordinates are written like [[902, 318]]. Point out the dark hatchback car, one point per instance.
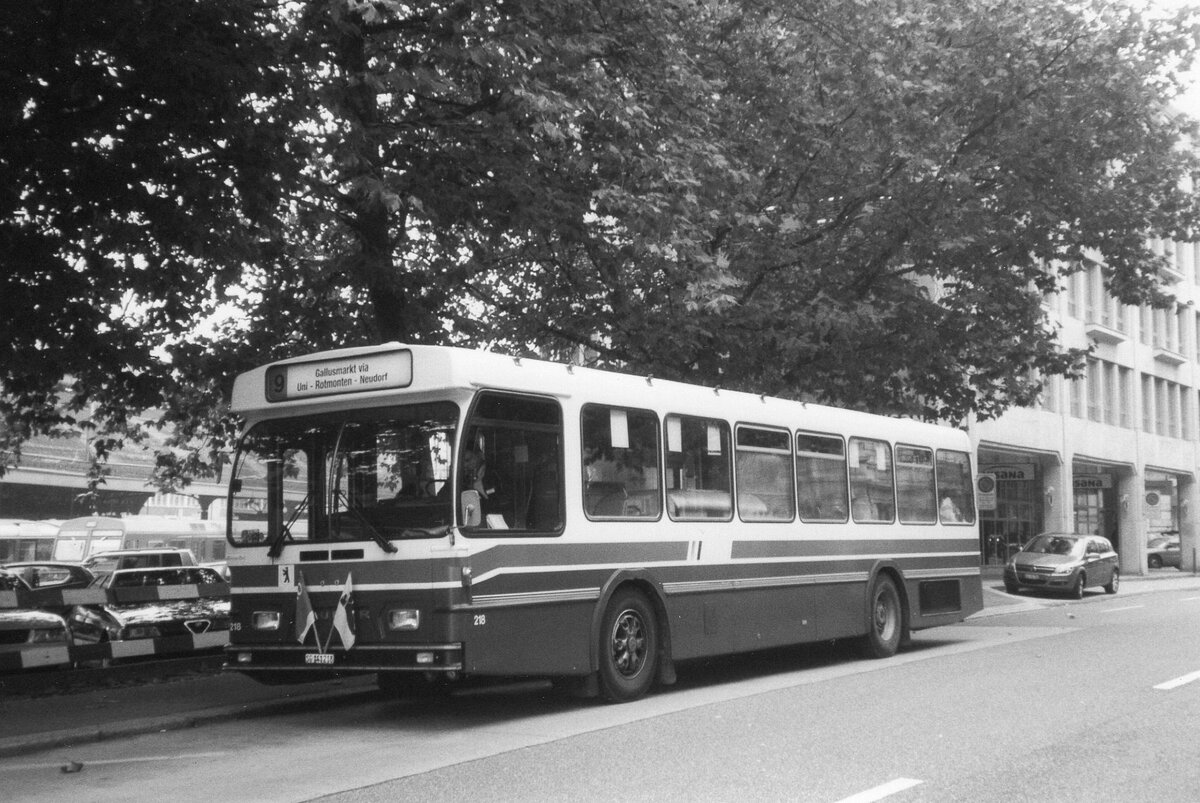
[[163, 617], [48, 580], [1164, 551], [1064, 562]]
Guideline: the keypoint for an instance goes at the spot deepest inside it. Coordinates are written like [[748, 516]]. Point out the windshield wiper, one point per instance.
[[376, 536], [285, 532]]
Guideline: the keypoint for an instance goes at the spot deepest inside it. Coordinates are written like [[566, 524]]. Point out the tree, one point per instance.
[[141, 147], [894, 188], [869, 197]]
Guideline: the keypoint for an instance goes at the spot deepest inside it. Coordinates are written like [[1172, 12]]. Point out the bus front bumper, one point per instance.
[[435, 658]]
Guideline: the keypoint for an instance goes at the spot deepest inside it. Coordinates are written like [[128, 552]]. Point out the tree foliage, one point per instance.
[[846, 200]]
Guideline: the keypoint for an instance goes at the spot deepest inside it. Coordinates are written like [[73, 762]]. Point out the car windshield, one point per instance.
[[1055, 545], [373, 474]]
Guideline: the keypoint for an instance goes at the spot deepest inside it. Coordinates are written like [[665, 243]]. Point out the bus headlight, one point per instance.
[[140, 631], [264, 620], [403, 619]]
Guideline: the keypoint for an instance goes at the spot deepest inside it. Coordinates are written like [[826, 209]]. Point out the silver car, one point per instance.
[[1064, 562]]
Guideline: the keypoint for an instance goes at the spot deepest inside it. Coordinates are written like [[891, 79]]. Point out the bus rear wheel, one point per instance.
[[885, 619], [628, 647]]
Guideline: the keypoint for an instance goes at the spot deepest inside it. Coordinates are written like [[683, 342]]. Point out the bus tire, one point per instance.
[[628, 647], [885, 619]]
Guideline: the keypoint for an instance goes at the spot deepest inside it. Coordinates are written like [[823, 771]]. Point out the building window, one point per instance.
[[1095, 381], [1147, 403], [1125, 397]]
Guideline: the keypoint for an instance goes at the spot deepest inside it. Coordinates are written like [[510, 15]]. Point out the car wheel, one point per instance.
[[1155, 562], [1077, 589], [1114, 583]]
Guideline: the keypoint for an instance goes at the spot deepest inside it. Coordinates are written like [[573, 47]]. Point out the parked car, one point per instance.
[[1164, 551], [105, 562], [1064, 562], [154, 618], [48, 579], [30, 638]]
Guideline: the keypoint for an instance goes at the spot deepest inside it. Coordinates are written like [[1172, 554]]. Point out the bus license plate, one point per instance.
[[318, 658]]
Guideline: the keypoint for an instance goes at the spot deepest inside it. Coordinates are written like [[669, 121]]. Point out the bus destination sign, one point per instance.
[[388, 369]]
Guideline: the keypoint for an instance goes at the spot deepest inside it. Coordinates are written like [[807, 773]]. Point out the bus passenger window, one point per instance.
[[698, 470], [914, 485], [821, 477], [872, 495], [955, 490], [765, 491], [621, 468]]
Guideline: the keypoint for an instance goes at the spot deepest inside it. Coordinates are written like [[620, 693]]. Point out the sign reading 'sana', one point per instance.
[[386, 369]]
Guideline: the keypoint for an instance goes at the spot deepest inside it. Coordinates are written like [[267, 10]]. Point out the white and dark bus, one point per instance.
[[84, 536], [437, 513], [26, 540]]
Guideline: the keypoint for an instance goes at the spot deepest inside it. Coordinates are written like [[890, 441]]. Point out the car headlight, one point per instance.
[[47, 635], [140, 631], [1061, 570]]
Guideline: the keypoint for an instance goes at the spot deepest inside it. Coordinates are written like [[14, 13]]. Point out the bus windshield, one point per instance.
[[347, 476]]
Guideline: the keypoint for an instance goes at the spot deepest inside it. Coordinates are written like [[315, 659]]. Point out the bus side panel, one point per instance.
[[744, 620], [549, 639], [937, 602]]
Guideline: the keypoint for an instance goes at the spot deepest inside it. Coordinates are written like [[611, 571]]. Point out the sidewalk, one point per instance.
[[29, 724]]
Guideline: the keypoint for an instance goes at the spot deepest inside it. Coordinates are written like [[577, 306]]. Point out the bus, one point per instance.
[[430, 514], [24, 540], [82, 537]]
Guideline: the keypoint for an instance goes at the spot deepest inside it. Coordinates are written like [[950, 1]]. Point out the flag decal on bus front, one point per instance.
[[343, 617], [306, 617]]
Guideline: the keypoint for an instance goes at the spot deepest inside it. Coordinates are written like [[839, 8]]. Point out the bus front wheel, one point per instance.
[[885, 619], [628, 647]]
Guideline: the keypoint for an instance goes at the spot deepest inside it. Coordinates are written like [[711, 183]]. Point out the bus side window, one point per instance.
[[765, 491], [516, 457], [698, 468], [914, 485], [955, 489], [621, 468], [872, 494], [821, 477]]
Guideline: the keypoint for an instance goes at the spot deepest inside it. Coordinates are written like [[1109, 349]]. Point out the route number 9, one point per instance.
[[276, 384]]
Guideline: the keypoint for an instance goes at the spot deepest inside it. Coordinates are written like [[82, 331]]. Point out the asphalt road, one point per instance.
[[1043, 700]]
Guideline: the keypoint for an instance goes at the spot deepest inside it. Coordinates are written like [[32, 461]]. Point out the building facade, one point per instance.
[[1113, 453]]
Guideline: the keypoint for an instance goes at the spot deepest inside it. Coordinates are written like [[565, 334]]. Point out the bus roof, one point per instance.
[[373, 376], [141, 524]]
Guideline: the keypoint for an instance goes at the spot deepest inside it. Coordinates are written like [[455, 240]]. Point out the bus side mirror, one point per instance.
[[472, 513]]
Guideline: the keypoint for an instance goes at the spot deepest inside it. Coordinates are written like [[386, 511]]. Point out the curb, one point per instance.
[[31, 743]]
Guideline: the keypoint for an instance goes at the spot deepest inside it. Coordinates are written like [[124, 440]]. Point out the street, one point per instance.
[[1046, 700]]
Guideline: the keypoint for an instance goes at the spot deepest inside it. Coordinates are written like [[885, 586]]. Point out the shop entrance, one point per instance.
[[1095, 514], [1018, 514]]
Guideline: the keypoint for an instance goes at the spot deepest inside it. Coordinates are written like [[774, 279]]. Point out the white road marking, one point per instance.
[[880, 792], [1189, 599], [1126, 608], [1179, 681], [86, 762]]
